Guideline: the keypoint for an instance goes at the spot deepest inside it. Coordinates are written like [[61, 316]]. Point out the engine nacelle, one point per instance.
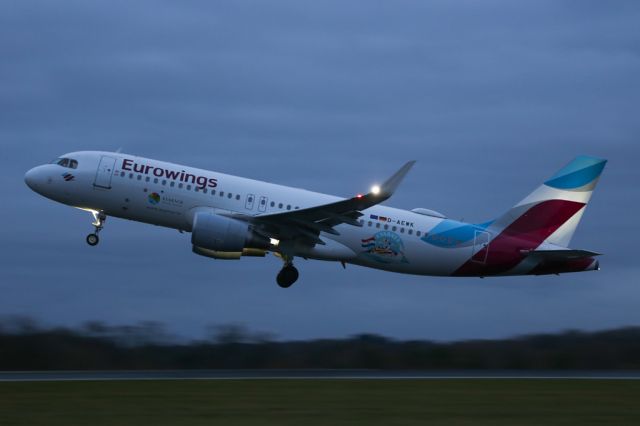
[[222, 234]]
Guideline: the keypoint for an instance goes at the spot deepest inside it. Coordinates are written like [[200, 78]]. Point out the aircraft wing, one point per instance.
[[306, 224]]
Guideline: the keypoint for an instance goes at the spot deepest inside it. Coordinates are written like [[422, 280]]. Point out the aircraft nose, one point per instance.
[[31, 178]]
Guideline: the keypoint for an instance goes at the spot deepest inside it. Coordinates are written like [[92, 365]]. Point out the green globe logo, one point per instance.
[[154, 198]]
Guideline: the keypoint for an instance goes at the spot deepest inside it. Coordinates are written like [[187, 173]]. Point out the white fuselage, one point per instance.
[[167, 194]]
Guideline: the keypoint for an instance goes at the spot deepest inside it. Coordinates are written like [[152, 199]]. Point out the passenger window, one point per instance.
[[155, 180], [139, 177], [394, 229], [369, 224], [213, 192], [172, 184], [402, 230], [378, 225], [417, 233], [410, 231], [130, 175], [273, 203], [122, 174], [147, 179], [164, 181], [279, 205], [180, 185], [222, 193], [237, 196], [188, 187], [204, 190], [229, 195], [288, 206]]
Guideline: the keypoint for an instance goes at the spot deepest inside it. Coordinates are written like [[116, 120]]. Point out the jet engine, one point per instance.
[[221, 237]]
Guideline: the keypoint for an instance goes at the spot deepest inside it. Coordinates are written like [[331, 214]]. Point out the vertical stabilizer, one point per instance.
[[552, 212]]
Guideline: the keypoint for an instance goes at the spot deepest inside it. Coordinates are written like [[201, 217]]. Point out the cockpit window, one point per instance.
[[66, 162]]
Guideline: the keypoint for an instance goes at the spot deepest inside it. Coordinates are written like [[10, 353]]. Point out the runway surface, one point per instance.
[[34, 376]]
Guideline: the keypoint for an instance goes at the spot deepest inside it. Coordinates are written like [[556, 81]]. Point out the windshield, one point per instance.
[[66, 162]]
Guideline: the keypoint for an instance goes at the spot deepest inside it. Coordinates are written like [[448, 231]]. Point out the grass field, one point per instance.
[[322, 402]]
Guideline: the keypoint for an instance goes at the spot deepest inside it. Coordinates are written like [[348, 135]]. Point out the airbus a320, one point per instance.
[[230, 217]]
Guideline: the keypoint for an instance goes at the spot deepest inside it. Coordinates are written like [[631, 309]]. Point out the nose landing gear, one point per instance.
[[92, 239], [98, 223], [288, 274]]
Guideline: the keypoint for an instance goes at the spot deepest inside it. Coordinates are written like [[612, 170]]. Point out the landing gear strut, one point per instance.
[[288, 274], [98, 223]]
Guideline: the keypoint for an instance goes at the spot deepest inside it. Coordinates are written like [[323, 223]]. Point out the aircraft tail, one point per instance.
[[552, 212]]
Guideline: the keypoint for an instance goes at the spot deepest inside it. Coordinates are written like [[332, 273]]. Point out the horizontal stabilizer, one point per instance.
[[559, 255]]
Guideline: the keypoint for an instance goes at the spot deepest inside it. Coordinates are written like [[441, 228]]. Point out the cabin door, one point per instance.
[[480, 246], [105, 172]]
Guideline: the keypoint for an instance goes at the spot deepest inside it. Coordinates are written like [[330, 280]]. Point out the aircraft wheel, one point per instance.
[[92, 239], [287, 276]]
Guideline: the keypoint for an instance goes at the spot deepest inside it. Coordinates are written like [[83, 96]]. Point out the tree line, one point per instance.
[[24, 345]]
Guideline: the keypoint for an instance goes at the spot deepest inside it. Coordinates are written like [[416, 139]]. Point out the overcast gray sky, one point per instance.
[[489, 97]]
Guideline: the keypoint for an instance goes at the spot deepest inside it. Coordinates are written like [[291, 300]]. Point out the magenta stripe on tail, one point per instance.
[[525, 233]]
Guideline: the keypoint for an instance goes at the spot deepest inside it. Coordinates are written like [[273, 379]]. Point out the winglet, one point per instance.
[[389, 187]]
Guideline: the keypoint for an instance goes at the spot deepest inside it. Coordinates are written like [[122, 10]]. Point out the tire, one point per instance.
[[287, 276], [92, 239]]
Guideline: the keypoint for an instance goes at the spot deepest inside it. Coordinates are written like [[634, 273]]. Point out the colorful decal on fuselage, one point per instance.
[[453, 234], [384, 247], [154, 198]]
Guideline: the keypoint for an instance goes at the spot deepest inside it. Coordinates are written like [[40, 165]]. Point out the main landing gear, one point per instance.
[[98, 223], [288, 274]]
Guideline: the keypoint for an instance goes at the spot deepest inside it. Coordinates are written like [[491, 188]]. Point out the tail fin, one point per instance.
[[552, 212]]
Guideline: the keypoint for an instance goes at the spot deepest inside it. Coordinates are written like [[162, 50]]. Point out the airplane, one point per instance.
[[230, 217]]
